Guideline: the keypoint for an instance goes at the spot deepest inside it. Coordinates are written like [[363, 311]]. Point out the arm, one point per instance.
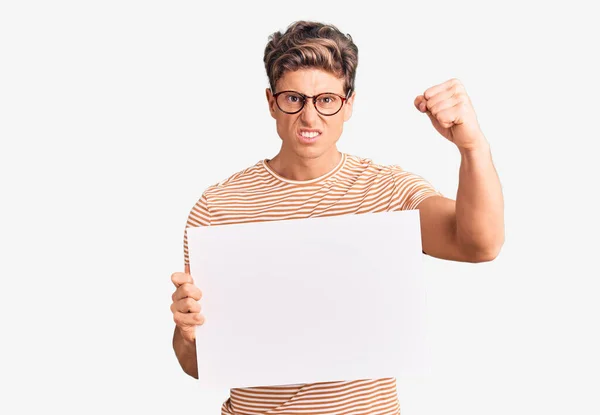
[[185, 350], [185, 307], [470, 229]]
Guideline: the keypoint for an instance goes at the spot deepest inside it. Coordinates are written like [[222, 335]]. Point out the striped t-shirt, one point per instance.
[[356, 185]]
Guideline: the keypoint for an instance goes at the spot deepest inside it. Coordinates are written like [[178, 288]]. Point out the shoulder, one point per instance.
[[369, 166], [238, 181], [235, 183], [409, 187], [364, 164]]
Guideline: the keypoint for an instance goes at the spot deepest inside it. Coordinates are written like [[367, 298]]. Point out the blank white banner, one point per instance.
[[310, 300]]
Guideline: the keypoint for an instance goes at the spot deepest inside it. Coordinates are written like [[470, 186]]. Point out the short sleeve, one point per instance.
[[199, 216], [409, 189]]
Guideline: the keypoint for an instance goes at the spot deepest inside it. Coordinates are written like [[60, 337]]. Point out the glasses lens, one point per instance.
[[329, 103], [290, 101]]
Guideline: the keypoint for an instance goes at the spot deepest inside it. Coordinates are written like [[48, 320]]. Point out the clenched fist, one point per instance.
[[451, 112], [185, 307]]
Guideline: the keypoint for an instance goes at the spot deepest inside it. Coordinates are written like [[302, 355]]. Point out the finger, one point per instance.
[[188, 319], [443, 105], [438, 98], [179, 278], [420, 103], [434, 90], [448, 117], [187, 290], [186, 305]]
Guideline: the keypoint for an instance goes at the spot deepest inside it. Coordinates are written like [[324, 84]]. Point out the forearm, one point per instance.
[[479, 204], [185, 350]]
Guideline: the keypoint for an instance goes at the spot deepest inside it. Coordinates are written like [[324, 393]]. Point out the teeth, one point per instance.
[[309, 135]]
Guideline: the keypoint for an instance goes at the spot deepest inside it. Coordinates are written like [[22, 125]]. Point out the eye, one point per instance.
[[328, 99], [293, 98]]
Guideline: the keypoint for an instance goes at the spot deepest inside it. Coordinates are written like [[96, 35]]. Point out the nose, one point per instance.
[[309, 113]]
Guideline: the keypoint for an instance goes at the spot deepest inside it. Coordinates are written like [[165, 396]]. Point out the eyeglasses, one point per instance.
[[326, 103]]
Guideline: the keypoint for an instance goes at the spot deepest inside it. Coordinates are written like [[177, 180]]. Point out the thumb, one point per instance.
[[420, 103]]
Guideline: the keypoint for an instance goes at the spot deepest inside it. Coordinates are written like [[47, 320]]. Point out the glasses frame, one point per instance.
[[314, 101]]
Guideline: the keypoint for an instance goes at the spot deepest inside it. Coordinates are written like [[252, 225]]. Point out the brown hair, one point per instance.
[[308, 44]]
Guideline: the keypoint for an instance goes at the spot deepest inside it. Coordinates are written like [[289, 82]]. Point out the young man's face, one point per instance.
[[297, 130]]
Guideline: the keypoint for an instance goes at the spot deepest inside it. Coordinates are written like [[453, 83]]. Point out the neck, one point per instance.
[[292, 167]]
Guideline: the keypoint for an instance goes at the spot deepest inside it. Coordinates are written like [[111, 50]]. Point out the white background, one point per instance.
[[113, 120]]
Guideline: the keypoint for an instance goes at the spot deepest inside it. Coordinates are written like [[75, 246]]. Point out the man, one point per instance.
[[311, 69]]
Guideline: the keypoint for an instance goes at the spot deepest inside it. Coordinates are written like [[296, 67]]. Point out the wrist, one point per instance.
[[186, 338], [479, 148]]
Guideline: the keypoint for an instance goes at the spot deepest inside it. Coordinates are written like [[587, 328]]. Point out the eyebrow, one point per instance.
[[325, 92]]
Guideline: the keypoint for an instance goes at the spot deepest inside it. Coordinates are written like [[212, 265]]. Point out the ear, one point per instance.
[[271, 102], [348, 106]]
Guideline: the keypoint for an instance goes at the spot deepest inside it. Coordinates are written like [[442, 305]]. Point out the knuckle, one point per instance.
[[193, 292], [189, 303], [181, 291], [181, 278], [176, 278], [184, 290]]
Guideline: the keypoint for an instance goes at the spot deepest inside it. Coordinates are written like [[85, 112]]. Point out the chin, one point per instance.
[[308, 153], [314, 151]]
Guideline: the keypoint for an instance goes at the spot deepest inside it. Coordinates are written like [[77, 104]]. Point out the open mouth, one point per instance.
[[308, 135]]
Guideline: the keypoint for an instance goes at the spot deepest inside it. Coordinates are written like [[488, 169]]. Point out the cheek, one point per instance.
[[335, 126], [290, 124], [285, 126]]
